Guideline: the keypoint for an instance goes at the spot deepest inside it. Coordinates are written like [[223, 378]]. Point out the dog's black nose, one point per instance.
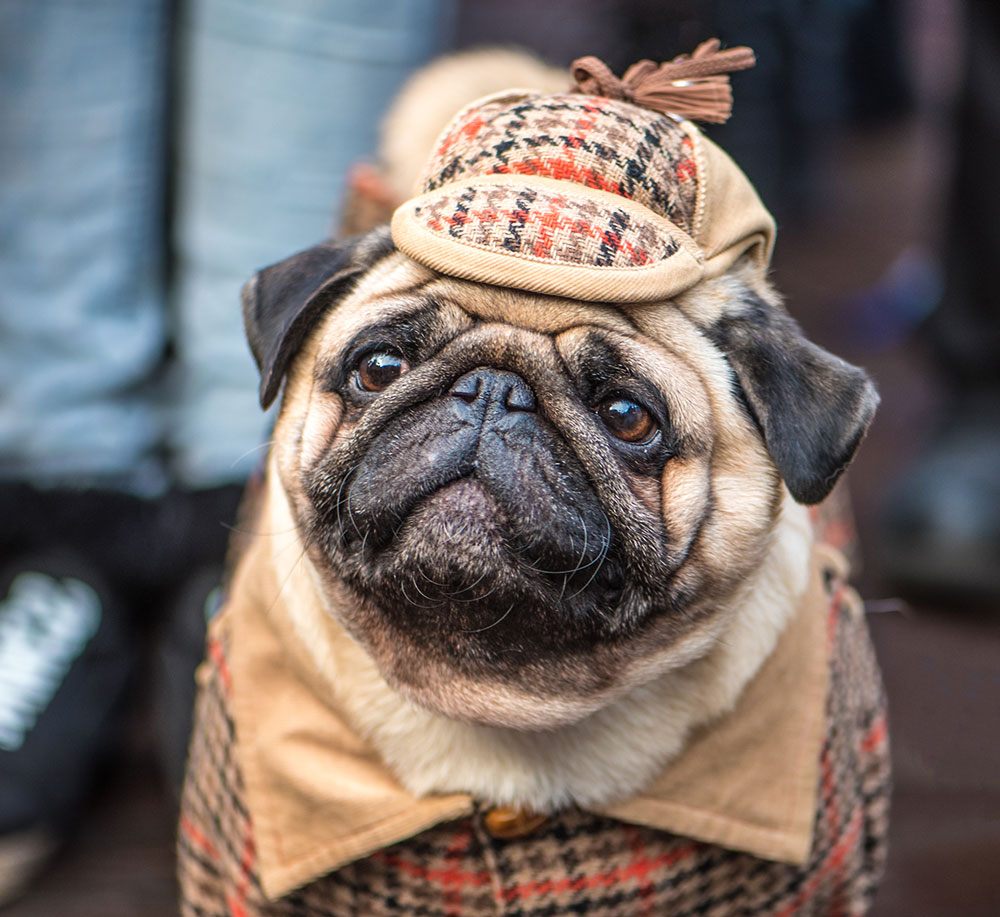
[[485, 387]]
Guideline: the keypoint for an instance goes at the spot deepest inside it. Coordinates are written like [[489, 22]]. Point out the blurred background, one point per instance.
[[154, 154]]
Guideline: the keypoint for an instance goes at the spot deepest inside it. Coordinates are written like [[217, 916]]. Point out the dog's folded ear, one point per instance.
[[283, 302], [812, 408]]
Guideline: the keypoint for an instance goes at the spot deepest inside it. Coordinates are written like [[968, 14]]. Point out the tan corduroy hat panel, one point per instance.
[[733, 220]]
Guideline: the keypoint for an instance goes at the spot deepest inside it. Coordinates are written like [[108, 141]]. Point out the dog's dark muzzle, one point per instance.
[[479, 469]]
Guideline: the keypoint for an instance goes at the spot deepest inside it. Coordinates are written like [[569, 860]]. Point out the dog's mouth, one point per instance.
[[464, 543], [464, 536], [476, 500]]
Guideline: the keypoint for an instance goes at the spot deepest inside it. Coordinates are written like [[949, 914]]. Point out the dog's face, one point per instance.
[[522, 506]]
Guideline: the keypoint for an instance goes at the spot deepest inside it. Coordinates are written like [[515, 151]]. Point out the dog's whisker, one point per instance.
[[338, 500], [430, 579], [285, 579], [603, 556], [409, 601], [423, 594], [569, 571], [586, 541], [398, 528], [537, 569], [284, 549], [344, 499], [264, 445], [471, 585], [350, 513], [480, 598], [479, 630], [580, 566]]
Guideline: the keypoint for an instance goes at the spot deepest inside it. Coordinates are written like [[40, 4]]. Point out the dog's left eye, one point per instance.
[[626, 419], [380, 369]]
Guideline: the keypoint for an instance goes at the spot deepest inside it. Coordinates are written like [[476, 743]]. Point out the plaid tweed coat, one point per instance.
[[576, 862]]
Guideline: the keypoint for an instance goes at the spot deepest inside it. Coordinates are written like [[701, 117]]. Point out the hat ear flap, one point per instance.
[[282, 303], [812, 408]]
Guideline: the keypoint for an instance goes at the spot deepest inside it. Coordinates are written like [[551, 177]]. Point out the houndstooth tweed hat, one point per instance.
[[607, 192]]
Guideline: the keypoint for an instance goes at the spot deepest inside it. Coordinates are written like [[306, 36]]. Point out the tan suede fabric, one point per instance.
[[319, 797]]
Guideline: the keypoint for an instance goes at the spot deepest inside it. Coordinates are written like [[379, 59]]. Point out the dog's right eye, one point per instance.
[[380, 369], [627, 419]]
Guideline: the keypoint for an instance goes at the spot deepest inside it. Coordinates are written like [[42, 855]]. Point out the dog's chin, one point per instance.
[[456, 535], [464, 576], [461, 544]]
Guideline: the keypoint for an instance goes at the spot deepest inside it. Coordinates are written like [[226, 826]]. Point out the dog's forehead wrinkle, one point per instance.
[[531, 311], [599, 359], [417, 314], [492, 346], [418, 320], [503, 338], [398, 273], [591, 359]]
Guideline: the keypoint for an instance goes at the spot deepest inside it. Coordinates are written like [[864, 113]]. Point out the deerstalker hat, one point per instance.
[[591, 194]]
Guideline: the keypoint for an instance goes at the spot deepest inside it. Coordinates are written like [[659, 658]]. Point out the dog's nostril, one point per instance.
[[502, 389], [497, 387], [467, 388], [520, 397]]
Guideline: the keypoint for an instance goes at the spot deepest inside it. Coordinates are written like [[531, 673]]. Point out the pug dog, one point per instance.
[[527, 548]]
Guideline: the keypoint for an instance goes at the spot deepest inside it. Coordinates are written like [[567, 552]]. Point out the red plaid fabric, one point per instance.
[[589, 141], [555, 226], [576, 144], [576, 862]]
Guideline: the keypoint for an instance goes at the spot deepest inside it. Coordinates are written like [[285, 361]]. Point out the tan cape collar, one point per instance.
[[320, 797]]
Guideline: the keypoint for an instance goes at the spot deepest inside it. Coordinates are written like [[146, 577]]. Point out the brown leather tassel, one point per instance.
[[695, 87]]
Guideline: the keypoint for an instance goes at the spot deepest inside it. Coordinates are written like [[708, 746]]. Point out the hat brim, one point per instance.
[[547, 236]]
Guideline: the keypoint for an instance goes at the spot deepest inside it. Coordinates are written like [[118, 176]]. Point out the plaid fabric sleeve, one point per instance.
[[214, 839]]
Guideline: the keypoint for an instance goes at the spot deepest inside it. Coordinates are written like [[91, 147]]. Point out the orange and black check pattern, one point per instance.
[[589, 141], [557, 227], [583, 143]]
